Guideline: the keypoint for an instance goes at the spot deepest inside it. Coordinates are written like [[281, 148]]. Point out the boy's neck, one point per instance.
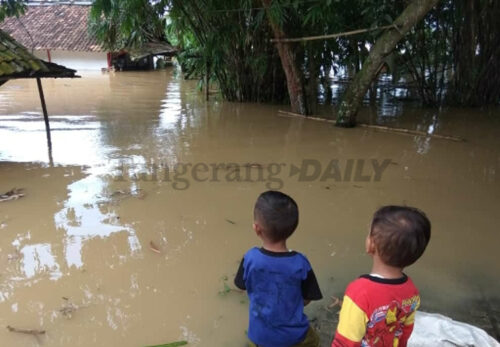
[[384, 270], [279, 246]]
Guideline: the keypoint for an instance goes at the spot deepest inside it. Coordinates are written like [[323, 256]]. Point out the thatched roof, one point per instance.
[[17, 62], [55, 25]]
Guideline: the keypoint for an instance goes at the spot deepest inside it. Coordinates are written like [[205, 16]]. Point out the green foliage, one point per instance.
[[230, 41], [118, 24], [226, 288], [10, 8], [230, 38]]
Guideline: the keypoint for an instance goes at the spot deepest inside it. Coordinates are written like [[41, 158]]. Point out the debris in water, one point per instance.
[[33, 332], [68, 308], [230, 221], [171, 344], [119, 192], [12, 194], [154, 247], [335, 302], [125, 193], [3, 223], [226, 288], [14, 256]]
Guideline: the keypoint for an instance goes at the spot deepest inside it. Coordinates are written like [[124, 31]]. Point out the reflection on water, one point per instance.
[[84, 217], [145, 262], [38, 259], [22, 138]]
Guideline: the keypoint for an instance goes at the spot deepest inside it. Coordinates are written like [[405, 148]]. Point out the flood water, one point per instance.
[[119, 242]]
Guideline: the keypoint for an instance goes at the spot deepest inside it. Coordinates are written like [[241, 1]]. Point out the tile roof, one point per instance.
[[17, 62], [53, 26]]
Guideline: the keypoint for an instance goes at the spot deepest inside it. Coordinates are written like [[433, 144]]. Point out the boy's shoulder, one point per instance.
[[262, 257], [375, 279], [263, 253], [366, 284]]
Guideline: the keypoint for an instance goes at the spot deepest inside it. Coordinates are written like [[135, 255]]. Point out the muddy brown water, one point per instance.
[[141, 244]]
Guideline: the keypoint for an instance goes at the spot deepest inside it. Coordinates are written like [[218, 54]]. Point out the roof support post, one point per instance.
[[45, 116], [207, 79]]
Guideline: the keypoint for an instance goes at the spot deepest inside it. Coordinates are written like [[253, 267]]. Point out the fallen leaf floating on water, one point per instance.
[[12, 194], [154, 248], [68, 308], [124, 193], [119, 193]]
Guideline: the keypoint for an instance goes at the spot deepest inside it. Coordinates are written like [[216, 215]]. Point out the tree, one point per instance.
[[10, 8], [293, 74], [357, 89], [451, 55], [476, 53], [131, 23]]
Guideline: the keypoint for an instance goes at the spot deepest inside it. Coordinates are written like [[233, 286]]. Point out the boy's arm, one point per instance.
[[352, 325], [407, 329], [238, 279], [310, 288]]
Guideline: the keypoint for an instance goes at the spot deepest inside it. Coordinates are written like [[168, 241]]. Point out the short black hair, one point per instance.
[[400, 234], [277, 213]]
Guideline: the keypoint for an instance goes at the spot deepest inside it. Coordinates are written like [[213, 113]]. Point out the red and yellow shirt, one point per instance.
[[377, 312]]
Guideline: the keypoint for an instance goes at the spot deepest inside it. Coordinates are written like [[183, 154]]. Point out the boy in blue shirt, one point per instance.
[[279, 281]]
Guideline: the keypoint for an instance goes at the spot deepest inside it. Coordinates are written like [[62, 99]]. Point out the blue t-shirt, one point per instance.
[[277, 285]]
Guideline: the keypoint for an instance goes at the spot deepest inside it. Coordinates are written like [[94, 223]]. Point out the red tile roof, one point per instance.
[[53, 26]]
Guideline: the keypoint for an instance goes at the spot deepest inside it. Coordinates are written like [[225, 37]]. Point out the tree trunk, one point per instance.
[[292, 73], [476, 49], [416, 10]]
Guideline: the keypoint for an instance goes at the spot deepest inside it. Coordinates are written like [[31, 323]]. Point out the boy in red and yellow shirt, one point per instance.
[[379, 308]]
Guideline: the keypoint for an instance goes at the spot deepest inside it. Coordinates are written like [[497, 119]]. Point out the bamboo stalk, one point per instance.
[[297, 115], [412, 132], [376, 127], [332, 36]]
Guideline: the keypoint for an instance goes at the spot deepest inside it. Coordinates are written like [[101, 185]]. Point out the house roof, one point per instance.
[[17, 62], [56, 25], [152, 48]]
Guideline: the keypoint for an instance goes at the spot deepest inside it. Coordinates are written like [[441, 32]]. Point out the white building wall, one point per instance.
[[76, 60]]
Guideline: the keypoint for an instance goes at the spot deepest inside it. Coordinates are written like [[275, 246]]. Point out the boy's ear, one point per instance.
[[257, 229], [370, 245]]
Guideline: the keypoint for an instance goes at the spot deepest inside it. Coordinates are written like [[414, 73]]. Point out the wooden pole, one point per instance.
[[207, 80], [333, 36], [45, 117]]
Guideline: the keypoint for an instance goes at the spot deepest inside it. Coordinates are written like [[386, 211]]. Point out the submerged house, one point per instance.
[[57, 31]]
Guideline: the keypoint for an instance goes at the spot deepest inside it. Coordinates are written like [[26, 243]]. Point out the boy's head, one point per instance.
[[276, 215], [399, 234]]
